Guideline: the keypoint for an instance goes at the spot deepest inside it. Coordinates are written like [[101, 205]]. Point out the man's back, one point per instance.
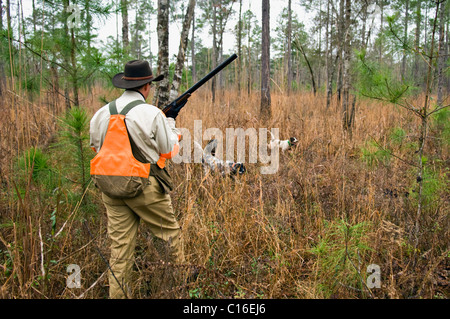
[[150, 130]]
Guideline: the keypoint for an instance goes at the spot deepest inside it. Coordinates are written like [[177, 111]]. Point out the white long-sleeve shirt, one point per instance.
[[151, 131]]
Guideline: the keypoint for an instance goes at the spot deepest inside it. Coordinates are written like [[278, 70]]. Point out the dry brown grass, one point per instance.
[[251, 237]]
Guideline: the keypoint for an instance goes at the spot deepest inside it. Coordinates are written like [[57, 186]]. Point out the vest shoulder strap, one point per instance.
[[126, 109], [113, 108]]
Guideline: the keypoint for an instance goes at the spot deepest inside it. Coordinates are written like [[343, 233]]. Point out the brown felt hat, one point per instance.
[[137, 73]]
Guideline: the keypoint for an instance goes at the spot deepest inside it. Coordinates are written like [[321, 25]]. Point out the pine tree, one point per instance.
[[265, 61]]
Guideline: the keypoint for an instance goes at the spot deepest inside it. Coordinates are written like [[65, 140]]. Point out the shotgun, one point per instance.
[[180, 101]]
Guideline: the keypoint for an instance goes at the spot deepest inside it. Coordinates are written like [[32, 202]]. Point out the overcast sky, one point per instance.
[[110, 26]]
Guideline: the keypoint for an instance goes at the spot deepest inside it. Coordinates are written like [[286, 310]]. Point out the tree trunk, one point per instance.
[[221, 21], [220, 58], [249, 59], [446, 52], [265, 61], [214, 50], [364, 22], [319, 64], [162, 96], [74, 69], [442, 58], [8, 18], [417, 41], [88, 26], [2, 68], [405, 37], [289, 48], [302, 50], [381, 30], [194, 71], [177, 77], [328, 37], [1, 14], [125, 39], [424, 114], [341, 32], [346, 69], [55, 88], [66, 55], [135, 43], [239, 49]]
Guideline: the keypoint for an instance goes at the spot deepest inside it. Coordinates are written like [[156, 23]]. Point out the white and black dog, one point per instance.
[[211, 163], [284, 145]]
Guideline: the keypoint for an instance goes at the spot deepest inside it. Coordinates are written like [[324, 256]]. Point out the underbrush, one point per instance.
[[315, 229]]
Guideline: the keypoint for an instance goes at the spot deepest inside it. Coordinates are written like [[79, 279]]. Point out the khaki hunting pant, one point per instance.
[[155, 209]]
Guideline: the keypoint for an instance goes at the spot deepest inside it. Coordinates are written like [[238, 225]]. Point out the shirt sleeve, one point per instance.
[[166, 134], [97, 130]]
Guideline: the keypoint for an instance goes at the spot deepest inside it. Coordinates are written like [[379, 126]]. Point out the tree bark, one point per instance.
[[346, 70], [319, 66], [381, 30], [341, 32], [417, 40], [364, 22], [2, 69], [289, 48], [328, 37], [1, 14], [8, 17], [125, 39], [302, 50], [249, 58], [177, 77], [214, 50], [194, 70], [405, 37], [162, 94], [424, 115], [441, 57], [265, 61], [239, 48], [74, 69]]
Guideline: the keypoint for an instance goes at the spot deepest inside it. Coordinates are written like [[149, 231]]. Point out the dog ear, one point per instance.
[[293, 140]]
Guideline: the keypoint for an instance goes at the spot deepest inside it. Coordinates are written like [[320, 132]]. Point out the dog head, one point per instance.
[[237, 168], [293, 141], [211, 147]]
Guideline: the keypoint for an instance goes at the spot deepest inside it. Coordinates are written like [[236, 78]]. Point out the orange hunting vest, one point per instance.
[[114, 170]]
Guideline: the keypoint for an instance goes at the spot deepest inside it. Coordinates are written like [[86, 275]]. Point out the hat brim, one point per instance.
[[120, 83]]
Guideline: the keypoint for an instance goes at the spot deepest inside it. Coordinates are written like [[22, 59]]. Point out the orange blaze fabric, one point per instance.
[[163, 157], [115, 157]]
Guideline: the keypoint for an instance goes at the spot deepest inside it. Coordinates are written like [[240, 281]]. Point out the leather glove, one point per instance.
[[174, 108]]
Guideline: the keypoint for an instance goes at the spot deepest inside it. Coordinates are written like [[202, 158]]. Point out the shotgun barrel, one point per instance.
[[183, 97]]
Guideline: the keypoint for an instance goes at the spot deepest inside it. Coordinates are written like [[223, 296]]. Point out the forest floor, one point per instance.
[[337, 220]]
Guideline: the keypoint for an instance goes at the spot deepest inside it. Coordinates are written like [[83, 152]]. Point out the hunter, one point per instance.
[[153, 139]]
